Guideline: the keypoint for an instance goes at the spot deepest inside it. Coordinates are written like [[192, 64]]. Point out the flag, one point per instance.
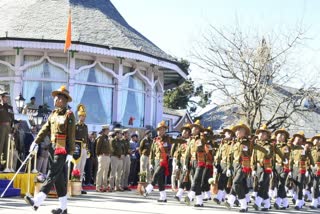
[[67, 43]]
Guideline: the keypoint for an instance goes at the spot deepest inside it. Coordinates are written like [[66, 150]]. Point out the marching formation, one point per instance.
[[274, 166]]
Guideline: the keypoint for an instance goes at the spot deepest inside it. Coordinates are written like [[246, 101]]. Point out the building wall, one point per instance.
[[114, 77]]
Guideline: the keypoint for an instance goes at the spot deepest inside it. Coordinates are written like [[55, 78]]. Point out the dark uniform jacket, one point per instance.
[[103, 145], [117, 147], [6, 114], [145, 146], [82, 134]]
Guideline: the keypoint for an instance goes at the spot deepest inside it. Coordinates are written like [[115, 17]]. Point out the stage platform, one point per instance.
[[21, 181]]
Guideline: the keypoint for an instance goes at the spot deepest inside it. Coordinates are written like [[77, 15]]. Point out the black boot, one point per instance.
[[29, 201], [59, 211]]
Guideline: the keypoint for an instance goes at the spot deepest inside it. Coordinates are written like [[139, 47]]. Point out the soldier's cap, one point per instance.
[[315, 137], [300, 134], [197, 124], [125, 130], [283, 131], [134, 135], [241, 125], [186, 127], [4, 94], [208, 130], [162, 124], [263, 128], [117, 130], [106, 126], [62, 90], [228, 129], [111, 133], [147, 132], [309, 140]]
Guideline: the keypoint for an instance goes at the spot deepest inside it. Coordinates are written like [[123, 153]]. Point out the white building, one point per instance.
[[116, 72]]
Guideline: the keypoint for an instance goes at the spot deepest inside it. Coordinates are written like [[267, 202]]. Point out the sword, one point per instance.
[[15, 175]]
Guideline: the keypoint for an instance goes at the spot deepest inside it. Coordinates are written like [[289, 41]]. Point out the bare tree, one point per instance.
[[252, 74]]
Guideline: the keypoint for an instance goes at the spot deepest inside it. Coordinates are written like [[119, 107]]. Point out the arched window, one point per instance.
[[132, 101], [94, 88], [7, 74], [41, 79]]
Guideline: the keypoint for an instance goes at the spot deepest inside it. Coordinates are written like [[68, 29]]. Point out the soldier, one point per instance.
[[126, 159], [282, 168], [82, 135], [315, 151], [61, 127], [239, 157], [262, 166], [300, 155], [185, 182], [221, 164], [117, 155], [196, 156], [6, 122], [208, 171], [175, 167], [103, 151], [144, 151], [159, 160]]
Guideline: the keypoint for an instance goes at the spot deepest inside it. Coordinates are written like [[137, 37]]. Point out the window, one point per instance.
[[133, 101], [40, 80], [94, 89], [5, 71]]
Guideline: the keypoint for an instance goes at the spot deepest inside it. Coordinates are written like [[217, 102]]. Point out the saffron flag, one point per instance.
[[67, 43]]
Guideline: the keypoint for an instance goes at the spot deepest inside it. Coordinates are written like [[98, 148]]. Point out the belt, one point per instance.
[[4, 124]]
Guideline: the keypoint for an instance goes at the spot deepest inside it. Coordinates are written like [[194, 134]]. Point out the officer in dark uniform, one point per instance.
[[61, 128], [6, 122], [144, 151]]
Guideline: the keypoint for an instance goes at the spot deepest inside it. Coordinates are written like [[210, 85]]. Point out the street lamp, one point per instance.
[[38, 119], [20, 102]]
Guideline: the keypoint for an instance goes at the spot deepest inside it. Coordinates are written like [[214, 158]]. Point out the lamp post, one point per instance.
[[38, 119], [19, 102]]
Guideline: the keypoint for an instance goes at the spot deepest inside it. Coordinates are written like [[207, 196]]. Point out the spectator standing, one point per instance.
[[134, 170]]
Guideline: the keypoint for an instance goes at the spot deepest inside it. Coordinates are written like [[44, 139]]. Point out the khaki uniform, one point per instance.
[[261, 161], [103, 151], [83, 135], [117, 155], [6, 121], [61, 129], [175, 170], [144, 150], [185, 182], [196, 158], [239, 161], [210, 152], [315, 152], [221, 162], [299, 164], [126, 163], [282, 169]]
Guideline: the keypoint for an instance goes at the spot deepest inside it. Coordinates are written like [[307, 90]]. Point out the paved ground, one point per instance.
[[123, 202]]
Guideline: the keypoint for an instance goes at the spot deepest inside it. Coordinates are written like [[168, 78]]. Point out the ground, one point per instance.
[[124, 202]]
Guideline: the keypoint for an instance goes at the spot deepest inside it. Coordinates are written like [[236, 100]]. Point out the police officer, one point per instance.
[[222, 164], [282, 168], [300, 156], [185, 182], [196, 156], [159, 160], [144, 151], [6, 122], [240, 157], [117, 155], [61, 128], [103, 151], [126, 159], [82, 135]]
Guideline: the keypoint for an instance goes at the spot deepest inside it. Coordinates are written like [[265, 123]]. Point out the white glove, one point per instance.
[[271, 175], [303, 152], [34, 147], [285, 161], [253, 173], [69, 158], [228, 174], [184, 168], [150, 167], [215, 171], [289, 175], [307, 173]]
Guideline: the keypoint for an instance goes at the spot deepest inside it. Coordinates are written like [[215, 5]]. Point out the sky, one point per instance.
[[176, 25]]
